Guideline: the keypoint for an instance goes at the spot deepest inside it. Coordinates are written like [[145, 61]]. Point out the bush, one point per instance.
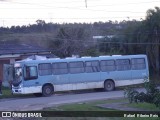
[[152, 94], [131, 94]]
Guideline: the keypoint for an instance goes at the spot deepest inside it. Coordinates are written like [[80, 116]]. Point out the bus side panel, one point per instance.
[[79, 86], [32, 86], [35, 85], [108, 75], [61, 82], [85, 81], [32, 89], [138, 76], [121, 78]]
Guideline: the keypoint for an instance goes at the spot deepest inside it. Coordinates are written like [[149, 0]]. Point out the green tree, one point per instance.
[[146, 36], [150, 33], [70, 41], [153, 26]]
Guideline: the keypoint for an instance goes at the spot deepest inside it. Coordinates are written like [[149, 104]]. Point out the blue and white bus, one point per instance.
[[44, 77]]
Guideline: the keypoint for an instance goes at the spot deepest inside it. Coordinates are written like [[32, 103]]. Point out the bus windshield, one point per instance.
[[18, 74]]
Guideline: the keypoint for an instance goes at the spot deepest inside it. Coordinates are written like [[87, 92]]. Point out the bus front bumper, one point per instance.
[[17, 91]]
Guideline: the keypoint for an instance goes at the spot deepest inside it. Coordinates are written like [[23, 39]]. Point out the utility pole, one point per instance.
[[86, 3]]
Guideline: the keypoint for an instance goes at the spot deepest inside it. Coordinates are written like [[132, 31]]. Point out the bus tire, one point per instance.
[[47, 90], [38, 94], [109, 85]]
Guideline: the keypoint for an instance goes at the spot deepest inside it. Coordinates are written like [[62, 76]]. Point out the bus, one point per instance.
[[44, 77]]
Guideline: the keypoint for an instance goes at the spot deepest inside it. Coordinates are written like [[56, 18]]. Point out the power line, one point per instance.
[[77, 18], [36, 4], [134, 3], [77, 7], [91, 10]]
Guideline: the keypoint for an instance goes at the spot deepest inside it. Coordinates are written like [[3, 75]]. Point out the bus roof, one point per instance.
[[72, 59]]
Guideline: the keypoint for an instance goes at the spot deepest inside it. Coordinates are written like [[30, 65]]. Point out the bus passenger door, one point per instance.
[[31, 82]]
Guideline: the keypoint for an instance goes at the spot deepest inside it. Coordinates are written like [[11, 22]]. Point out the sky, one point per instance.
[[25, 12]]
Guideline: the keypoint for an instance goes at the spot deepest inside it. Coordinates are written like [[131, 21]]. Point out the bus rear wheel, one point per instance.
[[109, 85], [47, 90]]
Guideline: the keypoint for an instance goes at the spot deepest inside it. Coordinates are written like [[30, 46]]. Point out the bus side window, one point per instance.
[[92, 66], [138, 64], [123, 64], [60, 68], [76, 67], [45, 69], [107, 65]]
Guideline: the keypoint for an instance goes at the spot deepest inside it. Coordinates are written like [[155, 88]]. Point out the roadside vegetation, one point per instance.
[[151, 95], [94, 106], [86, 106]]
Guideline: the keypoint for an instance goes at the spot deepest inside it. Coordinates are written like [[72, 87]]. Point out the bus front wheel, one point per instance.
[[109, 85], [47, 90]]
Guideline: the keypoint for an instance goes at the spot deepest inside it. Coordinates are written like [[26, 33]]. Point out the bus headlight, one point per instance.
[[20, 86]]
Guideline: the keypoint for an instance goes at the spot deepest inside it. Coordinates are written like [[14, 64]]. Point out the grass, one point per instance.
[[8, 94], [91, 106], [79, 107], [146, 106], [83, 106]]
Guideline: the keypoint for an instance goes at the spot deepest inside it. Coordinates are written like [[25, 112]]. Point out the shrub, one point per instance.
[[131, 94], [152, 94]]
